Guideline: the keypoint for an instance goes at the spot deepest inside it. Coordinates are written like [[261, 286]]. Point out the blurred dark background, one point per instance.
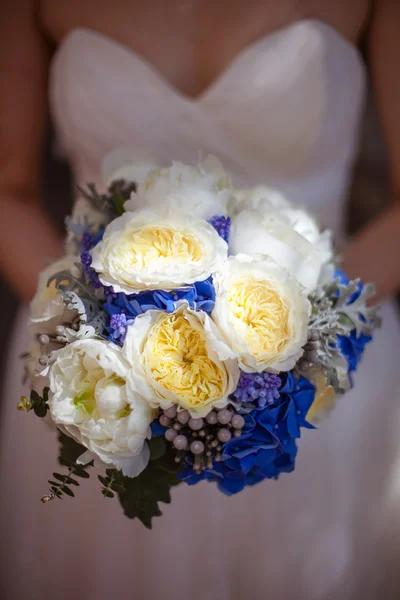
[[57, 196], [368, 195]]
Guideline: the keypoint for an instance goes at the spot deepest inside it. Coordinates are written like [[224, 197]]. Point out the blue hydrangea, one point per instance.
[[199, 296], [352, 347], [267, 446]]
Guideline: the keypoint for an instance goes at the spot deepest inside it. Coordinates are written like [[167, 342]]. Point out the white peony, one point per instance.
[[262, 313], [92, 402], [47, 303], [201, 192], [180, 358], [142, 250]]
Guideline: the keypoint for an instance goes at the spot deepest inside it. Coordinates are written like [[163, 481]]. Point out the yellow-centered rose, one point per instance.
[[261, 312], [179, 358], [142, 251]]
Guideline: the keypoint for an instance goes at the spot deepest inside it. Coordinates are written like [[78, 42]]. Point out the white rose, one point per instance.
[[262, 313], [47, 303], [272, 235], [201, 192], [180, 358], [126, 163], [92, 402], [141, 251]]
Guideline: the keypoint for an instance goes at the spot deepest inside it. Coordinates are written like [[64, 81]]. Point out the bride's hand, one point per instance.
[[27, 237], [374, 254]]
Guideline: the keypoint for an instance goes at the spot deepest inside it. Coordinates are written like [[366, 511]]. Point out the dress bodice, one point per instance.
[[285, 112]]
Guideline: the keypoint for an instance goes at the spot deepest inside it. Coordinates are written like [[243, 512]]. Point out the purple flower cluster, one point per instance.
[[258, 388], [119, 323], [222, 226]]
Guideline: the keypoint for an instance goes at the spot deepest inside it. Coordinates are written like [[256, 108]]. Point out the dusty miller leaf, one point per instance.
[[335, 312]]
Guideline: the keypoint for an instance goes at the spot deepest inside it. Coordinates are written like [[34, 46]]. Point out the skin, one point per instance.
[[190, 51]]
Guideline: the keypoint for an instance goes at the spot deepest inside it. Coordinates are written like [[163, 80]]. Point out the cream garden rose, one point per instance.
[[180, 358], [262, 313], [142, 251], [201, 192], [92, 402]]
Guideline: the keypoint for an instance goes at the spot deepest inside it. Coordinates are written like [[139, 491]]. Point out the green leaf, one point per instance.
[[65, 479], [117, 487], [105, 481], [118, 202], [40, 411], [35, 402], [107, 493], [143, 493], [80, 472], [70, 451], [157, 447], [67, 491], [56, 491]]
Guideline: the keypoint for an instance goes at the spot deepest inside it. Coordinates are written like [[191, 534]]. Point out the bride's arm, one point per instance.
[[27, 237], [374, 253]]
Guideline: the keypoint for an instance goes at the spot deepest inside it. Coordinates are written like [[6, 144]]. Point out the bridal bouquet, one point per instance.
[[190, 333]]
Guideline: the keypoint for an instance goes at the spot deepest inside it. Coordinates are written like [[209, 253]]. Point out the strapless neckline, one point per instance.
[[233, 65], [285, 112]]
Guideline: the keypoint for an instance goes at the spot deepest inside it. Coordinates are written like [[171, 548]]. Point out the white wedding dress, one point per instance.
[[286, 112]]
